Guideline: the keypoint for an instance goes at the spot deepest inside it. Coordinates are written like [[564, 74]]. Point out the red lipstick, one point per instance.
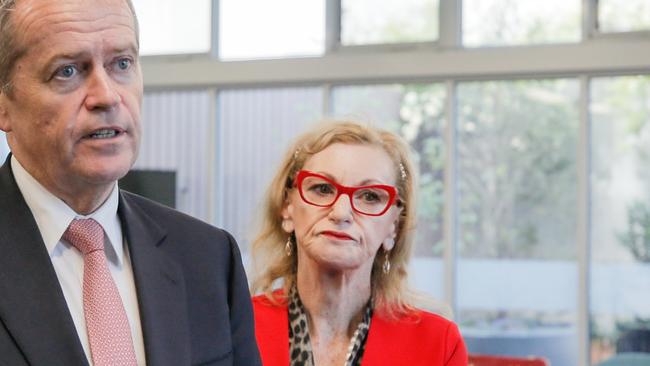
[[337, 235]]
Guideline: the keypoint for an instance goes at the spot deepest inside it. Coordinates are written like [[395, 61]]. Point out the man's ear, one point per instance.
[[5, 123]]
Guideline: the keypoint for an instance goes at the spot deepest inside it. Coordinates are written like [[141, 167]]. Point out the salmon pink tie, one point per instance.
[[108, 328]]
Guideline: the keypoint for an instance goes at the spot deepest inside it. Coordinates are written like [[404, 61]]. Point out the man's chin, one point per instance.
[[104, 173]]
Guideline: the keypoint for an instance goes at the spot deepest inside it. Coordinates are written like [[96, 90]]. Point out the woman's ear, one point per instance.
[[287, 218], [389, 242]]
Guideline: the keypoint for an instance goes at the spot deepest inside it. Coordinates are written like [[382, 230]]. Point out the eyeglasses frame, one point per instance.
[[349, 191]]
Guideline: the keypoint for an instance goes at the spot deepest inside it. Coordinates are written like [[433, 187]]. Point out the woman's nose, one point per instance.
[[341, 210]]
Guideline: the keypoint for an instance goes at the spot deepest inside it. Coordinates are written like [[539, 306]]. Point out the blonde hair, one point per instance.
[[390, 291]]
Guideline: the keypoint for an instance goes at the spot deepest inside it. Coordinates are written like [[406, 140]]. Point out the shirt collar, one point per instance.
[[53, 216]]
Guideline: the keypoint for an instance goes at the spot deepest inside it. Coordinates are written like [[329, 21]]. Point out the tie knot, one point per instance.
[[86, 235]]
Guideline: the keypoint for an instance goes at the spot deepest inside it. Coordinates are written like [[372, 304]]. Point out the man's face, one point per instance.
[[73, 115]]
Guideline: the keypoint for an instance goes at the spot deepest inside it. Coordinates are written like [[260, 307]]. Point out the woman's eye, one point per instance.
[[370, 197], [322, 188]]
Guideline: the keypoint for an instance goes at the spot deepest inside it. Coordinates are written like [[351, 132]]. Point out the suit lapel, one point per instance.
[[160, 287], [32, 305]]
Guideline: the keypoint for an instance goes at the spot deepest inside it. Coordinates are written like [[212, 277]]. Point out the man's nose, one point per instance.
[[102, 93]]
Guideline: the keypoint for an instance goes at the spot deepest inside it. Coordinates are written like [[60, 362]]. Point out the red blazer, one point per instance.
[[420, 338]]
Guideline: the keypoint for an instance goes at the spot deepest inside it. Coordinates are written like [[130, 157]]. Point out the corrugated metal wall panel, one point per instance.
[[176, 136], [4, 148], [256, 127]]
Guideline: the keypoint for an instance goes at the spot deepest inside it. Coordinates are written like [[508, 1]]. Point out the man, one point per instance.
[[90, 274]]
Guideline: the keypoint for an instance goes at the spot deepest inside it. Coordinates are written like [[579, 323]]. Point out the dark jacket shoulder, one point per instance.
[[180, 227]]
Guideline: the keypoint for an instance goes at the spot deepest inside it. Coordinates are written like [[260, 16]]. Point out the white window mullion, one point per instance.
[[583, 227], [328, 106], [214, 30], [213, 167], [450, 21], [332, 25], [451, 199], [219, 156], [589, 19]]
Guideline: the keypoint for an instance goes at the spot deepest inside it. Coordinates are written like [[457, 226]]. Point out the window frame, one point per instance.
[[444, 61], [591, 22]]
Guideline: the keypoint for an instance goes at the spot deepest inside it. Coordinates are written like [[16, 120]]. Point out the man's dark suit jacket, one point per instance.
[[195, 307]]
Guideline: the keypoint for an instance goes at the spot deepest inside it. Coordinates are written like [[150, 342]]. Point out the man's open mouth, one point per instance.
[[105, 133]]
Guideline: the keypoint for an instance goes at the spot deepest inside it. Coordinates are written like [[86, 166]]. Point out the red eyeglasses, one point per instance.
[[317, 190]]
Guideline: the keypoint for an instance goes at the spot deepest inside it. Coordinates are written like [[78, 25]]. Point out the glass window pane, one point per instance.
[[623, 16], [250, 29], [517, 284], [169, 27], [620, 230], [416, 112], [256, 127], [388, 21], [520, 22], [176, 137]]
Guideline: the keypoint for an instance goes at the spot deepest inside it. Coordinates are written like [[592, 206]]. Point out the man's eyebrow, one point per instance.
[[127, 49], [65, 56], [59, 58], [76, 55]]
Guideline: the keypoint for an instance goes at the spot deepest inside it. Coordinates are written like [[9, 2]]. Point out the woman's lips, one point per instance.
[[337, 235]]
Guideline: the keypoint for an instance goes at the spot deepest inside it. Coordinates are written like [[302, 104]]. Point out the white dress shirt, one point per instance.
[[53, 216]]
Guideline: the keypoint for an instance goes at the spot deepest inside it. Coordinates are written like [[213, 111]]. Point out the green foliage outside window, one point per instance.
[[517, 168], [637, 236]]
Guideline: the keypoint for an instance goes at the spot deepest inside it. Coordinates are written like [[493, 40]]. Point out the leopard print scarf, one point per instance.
[[300, 351]]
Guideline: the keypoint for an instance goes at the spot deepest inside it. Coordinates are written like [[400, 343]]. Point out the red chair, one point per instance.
[[489, 360]]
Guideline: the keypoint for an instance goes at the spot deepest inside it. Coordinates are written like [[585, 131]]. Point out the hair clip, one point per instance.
[[295, 154], [402, 171]]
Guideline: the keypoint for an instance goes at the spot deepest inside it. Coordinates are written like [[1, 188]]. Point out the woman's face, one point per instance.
[[337, 237]]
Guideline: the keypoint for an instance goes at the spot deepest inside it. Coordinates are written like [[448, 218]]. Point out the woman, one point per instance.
[[337, 233]]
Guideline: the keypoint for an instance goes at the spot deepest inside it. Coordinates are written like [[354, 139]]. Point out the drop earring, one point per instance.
[[288, 247], [386, 266]]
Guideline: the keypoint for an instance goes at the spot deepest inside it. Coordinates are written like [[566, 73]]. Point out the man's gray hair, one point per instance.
[[11, 51], [8, 50]]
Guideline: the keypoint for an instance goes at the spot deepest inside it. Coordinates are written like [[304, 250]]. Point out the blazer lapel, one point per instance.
[[32, 305], [160, 287]]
